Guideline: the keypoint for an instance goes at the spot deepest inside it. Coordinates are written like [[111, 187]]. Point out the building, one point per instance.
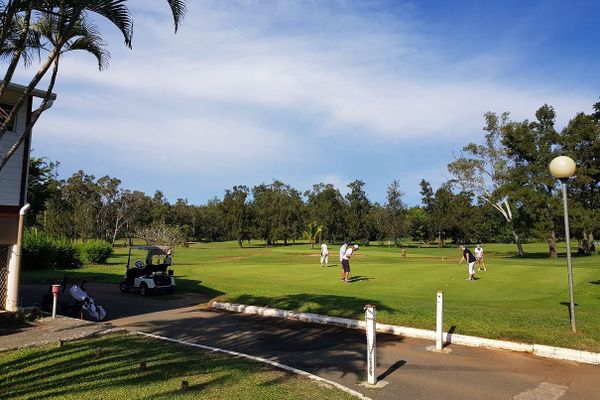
[[13, 191]]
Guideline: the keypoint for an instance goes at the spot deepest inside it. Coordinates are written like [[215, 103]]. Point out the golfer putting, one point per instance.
[[346, 262], [342, 253], [470, 259]]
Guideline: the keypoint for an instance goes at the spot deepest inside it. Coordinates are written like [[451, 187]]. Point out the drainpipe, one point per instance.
[[14, 266]]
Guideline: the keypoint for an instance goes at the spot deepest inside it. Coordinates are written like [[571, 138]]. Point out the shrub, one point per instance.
[[41, 251], [96, 251]]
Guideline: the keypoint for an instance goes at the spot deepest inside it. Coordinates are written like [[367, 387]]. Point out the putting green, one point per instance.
[[520, 299]]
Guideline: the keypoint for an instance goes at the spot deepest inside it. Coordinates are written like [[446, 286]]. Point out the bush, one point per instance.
[[96, 251], [44, 252]]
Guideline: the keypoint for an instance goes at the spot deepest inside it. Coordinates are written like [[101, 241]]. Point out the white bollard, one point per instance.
[[370, 320], [439, 323]]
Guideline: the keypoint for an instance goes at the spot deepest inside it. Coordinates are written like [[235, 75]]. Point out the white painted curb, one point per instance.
[[262, 360], [473, 341]]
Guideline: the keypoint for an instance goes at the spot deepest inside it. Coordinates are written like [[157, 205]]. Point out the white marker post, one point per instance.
[[371, 323], [55, 290], [439, 323]]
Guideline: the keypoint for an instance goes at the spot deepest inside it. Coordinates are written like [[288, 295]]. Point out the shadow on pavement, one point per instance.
[[311, 347], [117, 304]]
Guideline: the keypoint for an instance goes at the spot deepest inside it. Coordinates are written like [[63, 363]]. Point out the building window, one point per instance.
[[5, 110]]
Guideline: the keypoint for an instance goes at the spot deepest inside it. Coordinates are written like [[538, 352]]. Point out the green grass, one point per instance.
[[520, 299], [76, 371]]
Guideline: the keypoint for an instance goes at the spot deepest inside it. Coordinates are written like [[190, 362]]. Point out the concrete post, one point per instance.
[[439, 322], [371, 323]]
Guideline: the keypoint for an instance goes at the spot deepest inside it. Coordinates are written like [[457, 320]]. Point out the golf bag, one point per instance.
[[75, 303], [85, 303]]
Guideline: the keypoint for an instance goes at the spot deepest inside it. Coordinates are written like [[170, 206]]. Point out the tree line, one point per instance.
[[500, 191]]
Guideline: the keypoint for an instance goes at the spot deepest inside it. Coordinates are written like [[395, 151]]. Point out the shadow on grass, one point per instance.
[[76, 369], [545, 254], [595, 282], [359, 278], [327, 304]]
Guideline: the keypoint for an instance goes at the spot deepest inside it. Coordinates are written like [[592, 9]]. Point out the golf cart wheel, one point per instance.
[[124, 287], [144, 289]]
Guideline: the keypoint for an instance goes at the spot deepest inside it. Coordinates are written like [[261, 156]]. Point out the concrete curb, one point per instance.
[[259, 359], [558, 353]]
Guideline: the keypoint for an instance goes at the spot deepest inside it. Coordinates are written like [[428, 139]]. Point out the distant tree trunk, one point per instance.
[[519, 244], [552, 244], [440, 240], [285, 242], [240, 243], [591, 242]]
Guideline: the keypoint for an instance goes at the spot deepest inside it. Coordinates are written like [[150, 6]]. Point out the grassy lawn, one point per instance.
[[76, 371], [522, 299]]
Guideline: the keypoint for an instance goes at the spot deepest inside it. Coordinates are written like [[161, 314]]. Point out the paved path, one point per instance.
[[338, 354], [412, 372]]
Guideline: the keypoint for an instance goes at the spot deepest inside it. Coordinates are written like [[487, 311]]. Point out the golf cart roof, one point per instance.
[[155, 250]]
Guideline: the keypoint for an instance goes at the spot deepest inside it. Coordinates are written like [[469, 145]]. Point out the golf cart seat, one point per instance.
[[150, 269]]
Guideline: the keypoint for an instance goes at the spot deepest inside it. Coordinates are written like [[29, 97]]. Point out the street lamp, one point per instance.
[[563, 168]]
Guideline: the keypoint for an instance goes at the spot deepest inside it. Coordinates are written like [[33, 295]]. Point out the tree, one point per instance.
[[313, 232], [237, 213], [326, 206], [483, 170], [359, 207], [427, 200], [418, 223], [580, 140], [531, 146], [42, 185], [161, 235], [397, 223], [68, 17]]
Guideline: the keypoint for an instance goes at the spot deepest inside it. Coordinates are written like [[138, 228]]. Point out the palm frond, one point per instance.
[[178, 9], [116, 12]]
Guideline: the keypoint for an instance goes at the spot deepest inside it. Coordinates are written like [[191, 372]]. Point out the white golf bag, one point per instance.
[[93, 311]]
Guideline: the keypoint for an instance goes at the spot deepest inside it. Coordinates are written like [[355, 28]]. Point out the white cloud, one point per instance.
[[275, 85]]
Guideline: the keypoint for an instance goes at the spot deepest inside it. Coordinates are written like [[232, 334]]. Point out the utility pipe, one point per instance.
[[14, 267]]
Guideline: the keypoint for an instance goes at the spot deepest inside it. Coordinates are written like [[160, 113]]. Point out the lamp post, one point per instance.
[[563, 168]]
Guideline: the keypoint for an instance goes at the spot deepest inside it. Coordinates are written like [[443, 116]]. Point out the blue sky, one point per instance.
[[313, 91]]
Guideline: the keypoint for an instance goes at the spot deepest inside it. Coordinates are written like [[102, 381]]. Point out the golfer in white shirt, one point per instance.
[[324, 255]]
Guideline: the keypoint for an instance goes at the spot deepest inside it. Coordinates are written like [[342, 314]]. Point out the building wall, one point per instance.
[[12, 173], [12, 195]]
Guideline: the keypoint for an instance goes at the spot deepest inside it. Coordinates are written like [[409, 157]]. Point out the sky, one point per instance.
[[313, 91]]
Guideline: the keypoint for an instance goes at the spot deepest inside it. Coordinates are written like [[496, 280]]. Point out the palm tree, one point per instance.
[[84, 36], [314, 233], [67, 16]]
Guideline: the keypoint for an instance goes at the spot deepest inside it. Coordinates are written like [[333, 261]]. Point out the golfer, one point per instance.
[[342, 252], [479, 256], [470, 259], [346, 261], [324, 255]]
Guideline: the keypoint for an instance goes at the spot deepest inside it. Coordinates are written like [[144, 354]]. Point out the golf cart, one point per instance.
[[147, 277]]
